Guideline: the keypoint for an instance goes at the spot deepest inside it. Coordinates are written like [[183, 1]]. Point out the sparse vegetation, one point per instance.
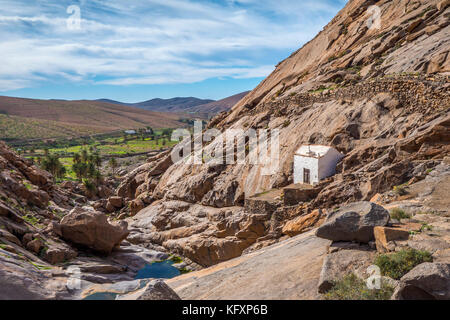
[[28, 185], [176, 259], [13, 127], [113, 165], [39, 267], [399, 214], [351, 287], [321, 89], [31, 219], [426, 227], [184, 270], [400, 190], [396, 265], [286, 123]]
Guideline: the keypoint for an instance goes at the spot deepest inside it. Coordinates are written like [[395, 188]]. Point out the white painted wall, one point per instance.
[[301, 162], [320, 168]]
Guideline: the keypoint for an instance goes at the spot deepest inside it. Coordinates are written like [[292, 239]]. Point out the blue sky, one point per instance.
[[132, 50]]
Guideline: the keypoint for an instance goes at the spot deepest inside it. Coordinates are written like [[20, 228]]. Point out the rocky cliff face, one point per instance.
[[30, 205], [378, 93], [44, 231]]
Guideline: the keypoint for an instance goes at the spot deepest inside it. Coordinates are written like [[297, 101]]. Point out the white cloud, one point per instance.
[[151, 42]]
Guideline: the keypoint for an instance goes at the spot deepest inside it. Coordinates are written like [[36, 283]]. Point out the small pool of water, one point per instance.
[[102, 296], [158, 270]]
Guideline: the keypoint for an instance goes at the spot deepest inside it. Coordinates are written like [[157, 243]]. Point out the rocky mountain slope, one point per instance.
[[304, 266], [379, 95]]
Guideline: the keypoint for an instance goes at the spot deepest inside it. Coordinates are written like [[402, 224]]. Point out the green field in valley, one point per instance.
[[106, 147]]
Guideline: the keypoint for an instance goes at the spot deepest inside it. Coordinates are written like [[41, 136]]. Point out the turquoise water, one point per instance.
[[102, 296], [158, 270]]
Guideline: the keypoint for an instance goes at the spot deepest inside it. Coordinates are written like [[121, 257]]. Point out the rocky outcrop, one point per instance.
[[205, 235], [427, 281], [21, 282], [343, 262], [89, 228], [154, 290], [116, 202], [354, 222]]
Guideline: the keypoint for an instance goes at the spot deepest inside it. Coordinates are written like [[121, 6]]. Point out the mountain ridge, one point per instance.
[[185, 104]]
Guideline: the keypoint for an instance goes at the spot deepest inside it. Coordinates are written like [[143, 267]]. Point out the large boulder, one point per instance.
[[92, 229], [354, 222], [154, 290], [427, 281]]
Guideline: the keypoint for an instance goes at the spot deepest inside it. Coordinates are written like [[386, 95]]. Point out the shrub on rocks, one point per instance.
[[350, 287], [399, 214], [396, 265]]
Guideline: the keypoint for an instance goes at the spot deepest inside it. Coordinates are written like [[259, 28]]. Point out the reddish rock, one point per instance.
[[303, 223], [35, 245], [443, 5], [384, 236], [136, 206], [109, 207], [116, 202]]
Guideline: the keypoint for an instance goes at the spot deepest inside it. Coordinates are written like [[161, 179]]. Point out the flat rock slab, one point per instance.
[[288, 270], [343, 262]]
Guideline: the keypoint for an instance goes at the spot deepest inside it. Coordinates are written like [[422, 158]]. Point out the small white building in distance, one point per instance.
[[313, 163]]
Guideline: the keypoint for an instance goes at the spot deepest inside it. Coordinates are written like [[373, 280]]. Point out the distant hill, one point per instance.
[[171, 105], [164, 105], [184, 105], [54, 118]]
